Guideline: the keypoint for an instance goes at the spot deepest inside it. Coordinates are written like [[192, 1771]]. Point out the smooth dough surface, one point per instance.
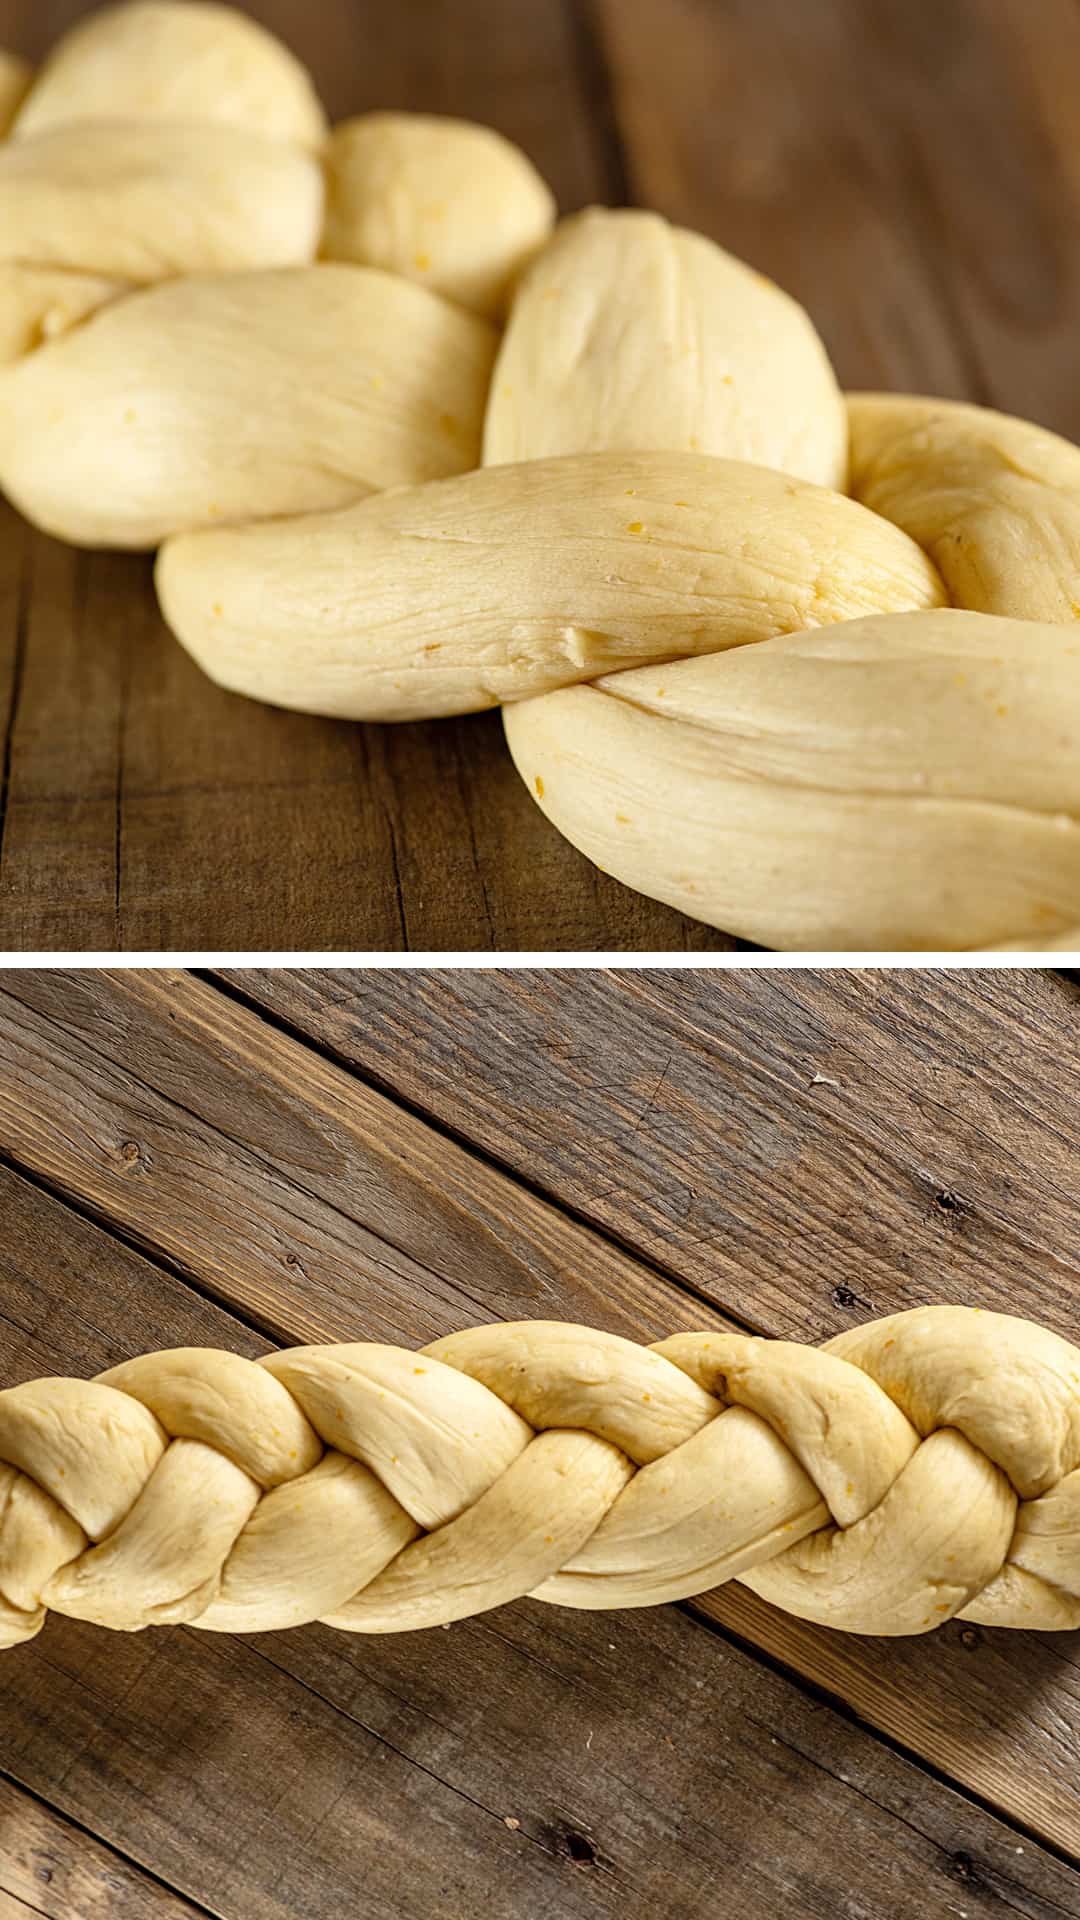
[[627, 332], [163, 60], [142, 203], [909, 781], [449, 204], [507, 582], [280, 393]]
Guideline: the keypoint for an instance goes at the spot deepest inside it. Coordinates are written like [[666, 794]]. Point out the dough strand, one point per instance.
[[913, 1469]]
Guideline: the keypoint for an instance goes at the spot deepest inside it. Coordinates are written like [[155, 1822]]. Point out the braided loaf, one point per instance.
[[913, 1469], [629, 521]]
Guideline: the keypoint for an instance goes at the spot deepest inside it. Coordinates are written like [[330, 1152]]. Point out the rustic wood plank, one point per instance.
[[286, 1187], [50, 1867], [252, 1165], [58, 855], [571, 1763], [800, 1147], [149, 810]]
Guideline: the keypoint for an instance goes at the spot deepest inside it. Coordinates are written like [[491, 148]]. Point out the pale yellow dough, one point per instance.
[[995, 501], [161, 60], [630, 333], [915, 1469], [904, 781], [280, 393], [143, 203], [817, 721], [158, 139], [449, 204], [40, 303], [506, 583]]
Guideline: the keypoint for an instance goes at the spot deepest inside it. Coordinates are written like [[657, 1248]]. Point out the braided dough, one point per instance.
[[106, 445], [928, 759], [801, 665], [462, 589], [913, 1469], [111, 198]]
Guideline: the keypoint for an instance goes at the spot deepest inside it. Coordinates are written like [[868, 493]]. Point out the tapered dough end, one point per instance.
[[903, 782], [163, 60], [452, 205]]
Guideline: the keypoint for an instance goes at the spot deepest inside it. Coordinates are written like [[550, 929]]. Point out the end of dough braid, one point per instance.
[[915, 1469]]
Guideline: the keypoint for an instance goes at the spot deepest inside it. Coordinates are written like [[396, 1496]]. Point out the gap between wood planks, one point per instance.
[[483, 1154], [781, 1200], [979, 1873], [877, 1690], [478, 1182], [55, 1867]]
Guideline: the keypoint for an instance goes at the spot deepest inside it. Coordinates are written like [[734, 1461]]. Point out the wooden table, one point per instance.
[[908, 168], [262, 1156]]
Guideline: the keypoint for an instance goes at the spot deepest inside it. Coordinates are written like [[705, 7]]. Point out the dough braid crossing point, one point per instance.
[[803, 665], [914, 1469]]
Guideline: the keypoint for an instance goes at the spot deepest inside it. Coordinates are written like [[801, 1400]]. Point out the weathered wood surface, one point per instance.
[[530, 1761], [51, 1868], [908, 169], [313, 1204], [800, 1147]]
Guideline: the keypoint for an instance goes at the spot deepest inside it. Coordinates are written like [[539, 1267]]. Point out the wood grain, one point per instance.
[[799, 1147], [278, 1182], [51, 1868], [145, 809], [538, 1761], [285, 1187]]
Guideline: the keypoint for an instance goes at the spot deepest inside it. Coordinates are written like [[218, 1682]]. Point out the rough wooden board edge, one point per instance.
[[50, 1866], [340, 1170]]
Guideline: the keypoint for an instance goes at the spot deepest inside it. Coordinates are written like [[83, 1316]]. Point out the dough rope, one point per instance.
[[913, 1469], [803, 665]]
